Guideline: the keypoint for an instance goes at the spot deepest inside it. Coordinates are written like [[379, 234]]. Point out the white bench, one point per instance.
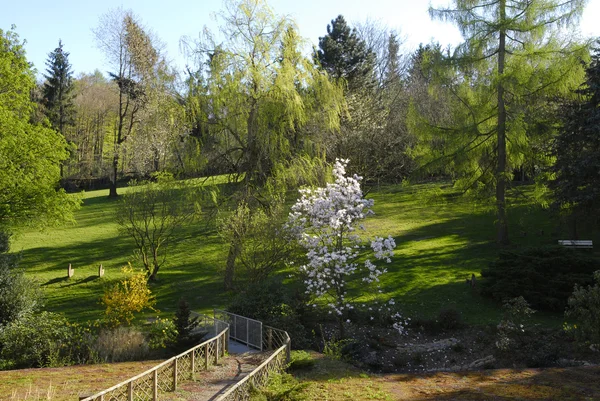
[[571, 243]]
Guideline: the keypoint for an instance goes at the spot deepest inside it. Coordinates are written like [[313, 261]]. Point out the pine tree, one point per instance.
[[58, 90], [344, 55], [577, 148]]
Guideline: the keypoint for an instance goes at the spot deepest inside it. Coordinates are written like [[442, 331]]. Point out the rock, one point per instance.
[[481, 362], [429, 347]]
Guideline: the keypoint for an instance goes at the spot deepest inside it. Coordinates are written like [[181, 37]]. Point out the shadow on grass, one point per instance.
[[529, 385], [88, 279]]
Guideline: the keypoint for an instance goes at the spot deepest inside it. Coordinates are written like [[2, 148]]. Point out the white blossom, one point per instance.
[[324, 222]]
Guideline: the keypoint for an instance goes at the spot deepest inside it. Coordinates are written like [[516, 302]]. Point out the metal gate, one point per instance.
[[242, 329]]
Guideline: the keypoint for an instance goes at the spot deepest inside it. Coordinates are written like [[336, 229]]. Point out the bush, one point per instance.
[[185, 325], [301, 360], [121, 344], [19, 295], [37, 340], [544, 276], [449, 318], [126, 297], [584, 307], [163, 333], [273, 304]]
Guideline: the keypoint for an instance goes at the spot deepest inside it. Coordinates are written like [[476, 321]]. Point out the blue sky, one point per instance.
[[42, 23]]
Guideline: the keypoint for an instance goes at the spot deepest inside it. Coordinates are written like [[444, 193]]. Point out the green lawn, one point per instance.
[[441, 240]]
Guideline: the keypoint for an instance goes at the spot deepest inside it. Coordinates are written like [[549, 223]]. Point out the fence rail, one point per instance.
[[165, 376], [271, 339], [242, 329]]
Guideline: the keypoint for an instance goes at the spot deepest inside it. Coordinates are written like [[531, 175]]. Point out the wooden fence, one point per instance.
[[273, 338], [165, 376]]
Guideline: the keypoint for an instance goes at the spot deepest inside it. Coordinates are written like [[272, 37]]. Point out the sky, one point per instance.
[[43, 23]]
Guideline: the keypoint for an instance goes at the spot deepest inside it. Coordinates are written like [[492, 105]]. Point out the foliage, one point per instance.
[[280, 387], [300, 360], [544, 276], [577, 148], [121, 344], [136, 63], [19, 295], [30, 154], [58, 90], [163, 333], [343, 54], [516, 316], [324, 222], [37, 340], [185, 324], [152, 213], [126, 297], [584, 308], [512, 60], [262, 102], [263, 249], [276, 305]]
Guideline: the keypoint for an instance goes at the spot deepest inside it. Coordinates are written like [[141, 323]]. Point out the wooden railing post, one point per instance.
[[175, 374], [206, 356], [155, 385], [288, 350], [217, 351], [270, 338], [193, 364], [130, 391]]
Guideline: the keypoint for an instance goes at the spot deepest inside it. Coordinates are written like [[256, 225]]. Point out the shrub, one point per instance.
[[514, 322], [126, 297], [19, 295], [121, 344], [544, 276], [301, 360], [272, 303], [37, 340], [584, 308], [449, 318], [163, 333], [185, 324]]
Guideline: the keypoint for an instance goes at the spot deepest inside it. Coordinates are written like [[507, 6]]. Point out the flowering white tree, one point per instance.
[[325, 221]]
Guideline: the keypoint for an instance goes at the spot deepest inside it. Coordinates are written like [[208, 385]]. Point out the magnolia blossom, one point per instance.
[[324, 221]]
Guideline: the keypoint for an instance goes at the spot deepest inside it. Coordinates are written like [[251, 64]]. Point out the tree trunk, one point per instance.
[[234, 251], [502, 233], [112, 193]]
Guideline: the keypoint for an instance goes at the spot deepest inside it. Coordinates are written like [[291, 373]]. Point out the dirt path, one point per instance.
[[217, 380]]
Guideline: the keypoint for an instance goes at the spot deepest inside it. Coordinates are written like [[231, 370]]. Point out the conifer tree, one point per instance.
[[57, 91], [513, 55], [343, 54], [577, 148]]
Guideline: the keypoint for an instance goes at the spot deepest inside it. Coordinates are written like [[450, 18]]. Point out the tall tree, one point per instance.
[[58, 91], [343, 54], [577, 149], [30, 154], [133, 56], [513, 53], [261, 92]]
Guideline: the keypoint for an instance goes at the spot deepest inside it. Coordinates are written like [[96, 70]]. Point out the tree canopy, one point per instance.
[[577, 147], [30, 154], [513, 56]]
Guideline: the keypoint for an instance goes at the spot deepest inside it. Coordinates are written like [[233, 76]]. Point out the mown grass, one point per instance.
[[442, 239], [334, 380]]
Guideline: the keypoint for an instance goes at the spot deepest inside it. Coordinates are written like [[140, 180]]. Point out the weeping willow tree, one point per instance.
[[515, 56], [266, 105]]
